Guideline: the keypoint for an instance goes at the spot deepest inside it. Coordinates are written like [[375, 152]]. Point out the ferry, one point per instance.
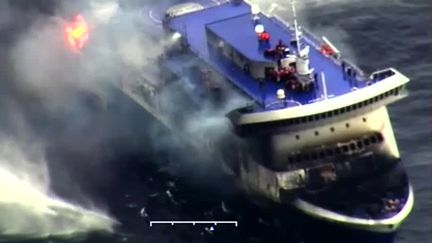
[[315, 133]]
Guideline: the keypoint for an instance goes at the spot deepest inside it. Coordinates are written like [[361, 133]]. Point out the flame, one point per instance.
[[77, 33]]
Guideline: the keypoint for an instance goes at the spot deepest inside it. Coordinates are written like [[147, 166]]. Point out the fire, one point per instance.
[[77, 33]]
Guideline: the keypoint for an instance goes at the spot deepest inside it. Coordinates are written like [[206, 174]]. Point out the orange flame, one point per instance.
[[77, 33]]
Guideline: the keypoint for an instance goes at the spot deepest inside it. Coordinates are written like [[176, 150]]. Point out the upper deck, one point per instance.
[[233, 24]]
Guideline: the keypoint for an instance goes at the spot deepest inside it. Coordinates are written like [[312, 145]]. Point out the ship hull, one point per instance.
[[372, 165]]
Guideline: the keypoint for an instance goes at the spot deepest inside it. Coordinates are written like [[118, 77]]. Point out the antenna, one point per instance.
[[295, 25]]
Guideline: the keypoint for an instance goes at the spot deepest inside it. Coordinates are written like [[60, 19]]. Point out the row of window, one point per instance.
[[352, 146], [271, 125], [346, 109]]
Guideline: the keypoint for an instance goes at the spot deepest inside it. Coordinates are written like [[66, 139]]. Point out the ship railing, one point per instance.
[[382, 74]]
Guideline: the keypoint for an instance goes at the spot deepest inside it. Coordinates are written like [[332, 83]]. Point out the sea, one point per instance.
[[119, 160]]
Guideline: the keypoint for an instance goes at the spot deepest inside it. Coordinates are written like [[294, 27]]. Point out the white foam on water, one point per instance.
[[29, 209]]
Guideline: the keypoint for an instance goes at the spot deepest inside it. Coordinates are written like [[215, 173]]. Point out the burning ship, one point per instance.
[[317, 134]]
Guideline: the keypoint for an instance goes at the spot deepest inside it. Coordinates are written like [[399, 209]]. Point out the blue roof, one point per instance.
[[239, 32], [234, 25]]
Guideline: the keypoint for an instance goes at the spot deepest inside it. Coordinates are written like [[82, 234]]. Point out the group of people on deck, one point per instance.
[[282, 74]]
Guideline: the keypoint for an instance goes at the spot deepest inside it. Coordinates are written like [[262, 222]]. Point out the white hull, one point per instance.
[[382, 225]]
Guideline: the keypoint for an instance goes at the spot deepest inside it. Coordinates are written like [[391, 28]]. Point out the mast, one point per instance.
[[295, 25]]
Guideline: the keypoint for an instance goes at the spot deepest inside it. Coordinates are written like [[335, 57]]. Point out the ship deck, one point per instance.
[[234, 24]]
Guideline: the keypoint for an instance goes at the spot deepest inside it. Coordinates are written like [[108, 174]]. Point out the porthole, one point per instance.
[[297, 137], [373, 139], [352, 146], [364, 119], [359, 144], [316, 133], [332, 129], [347, 125]]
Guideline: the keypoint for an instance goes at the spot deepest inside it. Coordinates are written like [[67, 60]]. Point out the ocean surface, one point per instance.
[[127, 165]]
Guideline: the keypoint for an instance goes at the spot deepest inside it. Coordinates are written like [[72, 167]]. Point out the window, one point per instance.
[[332, 129], [364, 119], [347, 125], [303, 119], [366, 142], [380, 137], [329, 152], [336, 112], [345, 148], [310, 118], [290, 159], [348, 108], [338, 151], [321, 154], [352, 146], [316, 133], [314, 155], [297, 137], [373, 139], [359, 144]]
